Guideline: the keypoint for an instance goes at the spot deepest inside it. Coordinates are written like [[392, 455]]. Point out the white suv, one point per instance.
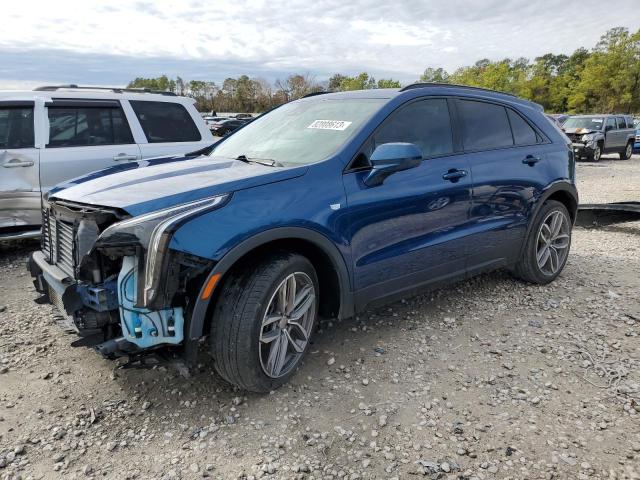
[[53, 134]]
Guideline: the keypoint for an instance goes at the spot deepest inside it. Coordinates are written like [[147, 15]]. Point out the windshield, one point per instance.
[[300, 132], [636, 122], [584, 122]]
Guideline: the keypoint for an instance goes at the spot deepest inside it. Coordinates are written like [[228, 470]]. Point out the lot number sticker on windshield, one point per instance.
[[329, 124]]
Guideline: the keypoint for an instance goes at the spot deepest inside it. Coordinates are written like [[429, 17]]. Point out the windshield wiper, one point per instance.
[[261, 161]]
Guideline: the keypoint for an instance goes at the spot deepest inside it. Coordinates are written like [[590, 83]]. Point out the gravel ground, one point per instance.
[[609, 180], [490, 378]]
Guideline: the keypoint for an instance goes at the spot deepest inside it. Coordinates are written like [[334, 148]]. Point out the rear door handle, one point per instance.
[[123, 156], [15, 162], [454, 175], [530, 160]]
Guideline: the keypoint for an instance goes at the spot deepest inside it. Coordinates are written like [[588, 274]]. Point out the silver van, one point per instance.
[[53, 134]]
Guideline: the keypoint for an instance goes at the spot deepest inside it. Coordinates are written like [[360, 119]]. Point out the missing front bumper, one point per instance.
[[89, 310], [58, 289], [582, 150]]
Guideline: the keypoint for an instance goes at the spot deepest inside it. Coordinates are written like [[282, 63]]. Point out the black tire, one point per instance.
[[597, 153], [527, 268], [628, 151], [237, 320]]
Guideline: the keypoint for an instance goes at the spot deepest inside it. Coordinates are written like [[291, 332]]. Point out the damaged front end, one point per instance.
[[114, 278], [583, 140]]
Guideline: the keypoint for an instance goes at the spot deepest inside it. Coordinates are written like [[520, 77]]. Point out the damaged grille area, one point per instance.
[[45, 240], [69, 231], [58, 242], [64, 247]]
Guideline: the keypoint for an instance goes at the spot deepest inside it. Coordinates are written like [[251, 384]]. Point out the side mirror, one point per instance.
[[389, 158]]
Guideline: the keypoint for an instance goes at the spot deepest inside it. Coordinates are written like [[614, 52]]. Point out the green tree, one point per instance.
[[611, 74], [360, 82], [434, 75], [160, 83], [335, 82], [388, 83]]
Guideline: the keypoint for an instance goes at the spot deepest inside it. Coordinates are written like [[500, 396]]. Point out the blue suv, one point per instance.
[[322, 207]]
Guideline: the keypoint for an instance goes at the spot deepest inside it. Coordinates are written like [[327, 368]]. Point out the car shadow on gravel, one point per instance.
[[372, 340]]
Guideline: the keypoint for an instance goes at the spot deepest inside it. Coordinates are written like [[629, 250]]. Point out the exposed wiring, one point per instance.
[[123, 293]]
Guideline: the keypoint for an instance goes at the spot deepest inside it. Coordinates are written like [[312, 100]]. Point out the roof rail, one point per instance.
[[453, 85], [313, 94], [53, 88]]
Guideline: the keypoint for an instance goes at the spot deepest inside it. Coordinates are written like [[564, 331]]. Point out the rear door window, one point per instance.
[[81, 126], [16, 127], [523, 133], [165, 122], [485, 126]]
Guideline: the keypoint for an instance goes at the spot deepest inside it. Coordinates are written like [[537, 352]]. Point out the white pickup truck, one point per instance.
[[53, 134]]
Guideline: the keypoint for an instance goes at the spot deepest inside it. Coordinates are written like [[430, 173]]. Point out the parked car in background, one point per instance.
[[554, 120], [211, 120], [593, 135], [53, 134], [225, 127], [559, 117], [321, 207], [636, 125], [244, 115]]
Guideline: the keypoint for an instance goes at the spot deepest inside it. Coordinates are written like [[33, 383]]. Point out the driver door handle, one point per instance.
[[454, 175], [123, 156], [15, 162]]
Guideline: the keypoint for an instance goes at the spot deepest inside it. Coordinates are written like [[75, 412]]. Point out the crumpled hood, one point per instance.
[[579, 131], [150, 185]]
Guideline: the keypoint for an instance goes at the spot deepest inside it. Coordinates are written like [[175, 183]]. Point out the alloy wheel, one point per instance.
[[287, 324], [628, 151], [553, 243]]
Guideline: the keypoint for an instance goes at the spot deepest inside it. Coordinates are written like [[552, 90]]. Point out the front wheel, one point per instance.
[[547, 247], [626, 155], [263, 322], [597, 153]]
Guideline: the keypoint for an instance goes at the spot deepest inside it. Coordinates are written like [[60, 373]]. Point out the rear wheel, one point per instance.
[[547, 248], [263, 322], [628, 150]]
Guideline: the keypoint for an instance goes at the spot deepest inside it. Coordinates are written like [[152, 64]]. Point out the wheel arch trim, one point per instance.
[[556, 187], [198, 317]]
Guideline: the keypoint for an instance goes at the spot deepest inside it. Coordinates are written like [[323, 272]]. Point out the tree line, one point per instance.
[[604, 79]]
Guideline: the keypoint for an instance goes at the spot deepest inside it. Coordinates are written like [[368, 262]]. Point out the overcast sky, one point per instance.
[[111, 42]]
